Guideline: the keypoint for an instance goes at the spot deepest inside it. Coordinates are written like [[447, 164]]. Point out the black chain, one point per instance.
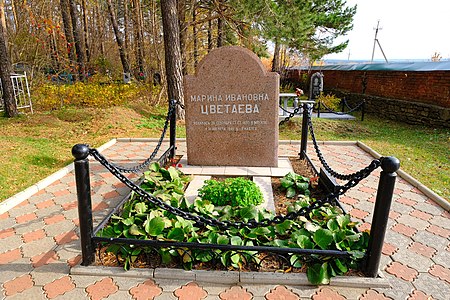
[[207, 220], [356, 107], [140, 167], [342, 113], [291, 114], [325, 164]]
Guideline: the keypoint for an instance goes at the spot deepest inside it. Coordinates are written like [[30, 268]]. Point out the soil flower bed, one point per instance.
[[325, 228]]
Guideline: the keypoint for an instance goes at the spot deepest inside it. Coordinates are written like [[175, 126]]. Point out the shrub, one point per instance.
[[237, 191], [94, 93], [330, 100]]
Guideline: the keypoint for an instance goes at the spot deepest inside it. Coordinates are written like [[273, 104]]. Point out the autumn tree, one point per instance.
[[122, 54], [174, 75], [5, 73]]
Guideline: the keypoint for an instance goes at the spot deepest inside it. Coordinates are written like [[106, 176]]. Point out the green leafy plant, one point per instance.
[[330, 100], [237, 191], [294, 183], [326, 227]]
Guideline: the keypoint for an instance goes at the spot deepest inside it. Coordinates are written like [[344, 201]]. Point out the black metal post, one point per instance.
[[173, 127], [304, 141], [381, 214], [318, 109], [81, 153], [363, 109], [343, 104]]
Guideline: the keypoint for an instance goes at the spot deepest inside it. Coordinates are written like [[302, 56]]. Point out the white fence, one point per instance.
[[21, 92]]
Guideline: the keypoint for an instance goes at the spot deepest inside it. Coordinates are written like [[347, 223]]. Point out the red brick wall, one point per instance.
[[430, 87]]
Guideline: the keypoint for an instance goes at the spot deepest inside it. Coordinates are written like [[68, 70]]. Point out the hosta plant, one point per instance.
[[324, 228], [294, 184]]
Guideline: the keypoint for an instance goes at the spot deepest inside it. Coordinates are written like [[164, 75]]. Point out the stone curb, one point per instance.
[[28, 192], [411, 180], [230, 277], [18, 198]]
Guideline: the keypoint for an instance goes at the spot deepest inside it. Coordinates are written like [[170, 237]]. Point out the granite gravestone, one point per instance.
[[316, 86], [232, 111]]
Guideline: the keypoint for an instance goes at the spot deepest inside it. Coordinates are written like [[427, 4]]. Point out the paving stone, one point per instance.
[[26, 218], [440, 272], [49, 212], [442, 257], [413, 260], [33, 236], [145, 290], [373, 295], [126, 283], [47, 273], [413, 222], [259, 290], [401, 208], [397, 239], [20, 211], [10, 256], [37, 247], [102, 289], [404, 229], [14, 269], [7, 223], [441, 222], [66, 199], [58, 287], [428, 208], [439, 231], [69, 250], [216, 288], [400, 289], [422, 249], [170, 285], [18, 285], [169, 296], [29, 227], [10, 243], [235, 292], [70, 214], [281, 292], [76, 293], [430, 239], [190, 291], [402, 271], [123, 295], [326, 293], [352, 293], [432, 286], [385, 261], [59, 227], [35, 293], [44, 258], [419, 295]]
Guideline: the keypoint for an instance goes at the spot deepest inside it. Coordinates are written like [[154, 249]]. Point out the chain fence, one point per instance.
[[146, 163], [357, 107], [205, 221]]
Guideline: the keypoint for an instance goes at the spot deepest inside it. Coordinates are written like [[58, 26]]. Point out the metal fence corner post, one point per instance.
[[385, 191], [173, 127], [304, 137], [81, 153]]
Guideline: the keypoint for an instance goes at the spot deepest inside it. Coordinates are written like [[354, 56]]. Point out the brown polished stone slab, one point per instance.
[[232, 111]]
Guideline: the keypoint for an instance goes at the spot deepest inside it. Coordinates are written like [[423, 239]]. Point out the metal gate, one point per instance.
[[21, 92]]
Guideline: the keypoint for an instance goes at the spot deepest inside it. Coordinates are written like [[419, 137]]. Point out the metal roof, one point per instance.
[[394, 66]]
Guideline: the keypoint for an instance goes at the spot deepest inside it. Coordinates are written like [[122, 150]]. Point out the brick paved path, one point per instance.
[[39, 242]]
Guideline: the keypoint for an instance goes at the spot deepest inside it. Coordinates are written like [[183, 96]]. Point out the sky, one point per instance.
[[410, 29]]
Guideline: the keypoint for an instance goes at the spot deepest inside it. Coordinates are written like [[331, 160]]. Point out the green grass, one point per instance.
[[423, 152], [34, 146]]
